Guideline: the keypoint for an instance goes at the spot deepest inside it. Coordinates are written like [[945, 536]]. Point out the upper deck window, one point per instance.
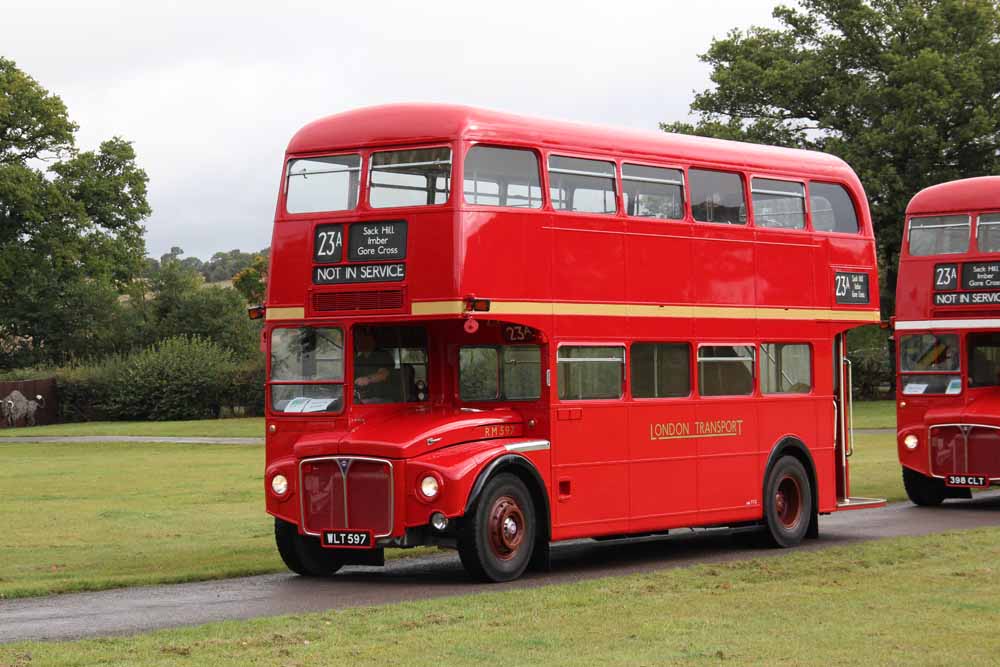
[[653, 192], [832, 209], [323, 184], [582, 185], [988, 232], [779, 204], [717, 196], [419, 177], [502, 177], [939, 235]]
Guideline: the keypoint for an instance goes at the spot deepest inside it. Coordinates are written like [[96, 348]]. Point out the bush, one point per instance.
[[184, 377], [178, 378], [871, 366]]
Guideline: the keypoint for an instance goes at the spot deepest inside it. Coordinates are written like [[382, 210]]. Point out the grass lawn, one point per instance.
[[909, 601], [249, 427], [875, 414], [93, 516], [875, 469]]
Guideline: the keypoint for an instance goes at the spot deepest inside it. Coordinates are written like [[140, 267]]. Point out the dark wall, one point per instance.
[[31, 388]]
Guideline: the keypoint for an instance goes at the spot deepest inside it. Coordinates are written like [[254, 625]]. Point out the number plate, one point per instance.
[[967, 481], [347, 539]]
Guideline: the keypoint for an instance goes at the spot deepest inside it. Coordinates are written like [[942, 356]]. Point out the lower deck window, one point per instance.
[[725, 370], [511, 372], [785, 368], [590, 371], [661, 370]]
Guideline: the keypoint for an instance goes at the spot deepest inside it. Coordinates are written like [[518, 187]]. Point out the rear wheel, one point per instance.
[[498, 534], [923, 490], [788, 506], [303, 554]]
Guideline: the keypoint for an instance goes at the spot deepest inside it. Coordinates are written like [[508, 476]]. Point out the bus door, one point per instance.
[[843, 414]]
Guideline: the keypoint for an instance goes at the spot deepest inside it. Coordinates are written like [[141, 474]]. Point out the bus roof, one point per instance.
[[396, 124], [967, 194]]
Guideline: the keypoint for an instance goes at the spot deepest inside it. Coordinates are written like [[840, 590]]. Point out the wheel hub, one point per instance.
[[506, 527], [788, 502]]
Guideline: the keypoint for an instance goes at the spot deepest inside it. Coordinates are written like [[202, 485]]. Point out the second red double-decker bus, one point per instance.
[[947, 335], [491, 332]]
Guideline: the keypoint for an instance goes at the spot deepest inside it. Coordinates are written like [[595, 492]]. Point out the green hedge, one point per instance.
[[178, 378]]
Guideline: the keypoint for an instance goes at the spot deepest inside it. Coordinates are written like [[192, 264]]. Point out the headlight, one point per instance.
[[911, 441], [279, 485], [429, 486]]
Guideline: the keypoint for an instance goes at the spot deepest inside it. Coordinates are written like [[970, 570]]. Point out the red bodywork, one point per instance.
[[577, 278], [958, 433]]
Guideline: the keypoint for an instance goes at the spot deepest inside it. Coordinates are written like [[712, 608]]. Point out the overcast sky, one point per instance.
[[211, 92]]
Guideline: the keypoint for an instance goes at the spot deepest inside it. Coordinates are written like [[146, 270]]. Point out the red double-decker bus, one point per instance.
[[491, 332], [947, 339]]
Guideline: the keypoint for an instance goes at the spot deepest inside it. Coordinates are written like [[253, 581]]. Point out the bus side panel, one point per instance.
[[498, 246], [663, 449], [723, 270], [588, 258], [590, 473], [785, 268], [729, 485], [660, 263]]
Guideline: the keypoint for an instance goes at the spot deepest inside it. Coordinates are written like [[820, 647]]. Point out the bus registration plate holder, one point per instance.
[[347, 539], [967, 481]]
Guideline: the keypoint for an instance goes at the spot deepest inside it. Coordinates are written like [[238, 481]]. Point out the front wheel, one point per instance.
[[922, 490], [303, 554], [497, 536], [788, 505]]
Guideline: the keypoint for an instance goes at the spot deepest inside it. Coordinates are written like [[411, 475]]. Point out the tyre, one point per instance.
[[303, 554], [922, 490], [497, 536], [788, 505]]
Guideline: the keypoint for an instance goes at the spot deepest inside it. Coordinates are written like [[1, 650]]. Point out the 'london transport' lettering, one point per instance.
[[716, 428]]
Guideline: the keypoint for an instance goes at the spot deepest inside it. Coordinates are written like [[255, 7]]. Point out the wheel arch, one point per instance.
[[791, 445], [526, 471]]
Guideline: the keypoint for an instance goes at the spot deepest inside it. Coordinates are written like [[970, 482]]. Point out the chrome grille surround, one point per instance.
[[343, 471]]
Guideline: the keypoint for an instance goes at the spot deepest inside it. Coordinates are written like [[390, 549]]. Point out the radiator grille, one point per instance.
[[326, 302], [965, 449], [347, 492]]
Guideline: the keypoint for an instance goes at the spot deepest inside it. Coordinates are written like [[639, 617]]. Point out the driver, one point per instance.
[[371, 365]]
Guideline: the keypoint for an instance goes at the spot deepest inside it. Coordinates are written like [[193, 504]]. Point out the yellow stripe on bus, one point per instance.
[[285, 313], [646, 310]]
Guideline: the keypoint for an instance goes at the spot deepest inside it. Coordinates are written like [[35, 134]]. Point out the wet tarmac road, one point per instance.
[[131, 610]]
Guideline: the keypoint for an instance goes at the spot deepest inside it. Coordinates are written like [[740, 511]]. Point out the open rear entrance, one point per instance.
[[844, 418]]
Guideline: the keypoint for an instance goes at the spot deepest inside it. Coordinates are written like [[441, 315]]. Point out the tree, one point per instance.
[[70, 232], [906, 91], [251, 282]]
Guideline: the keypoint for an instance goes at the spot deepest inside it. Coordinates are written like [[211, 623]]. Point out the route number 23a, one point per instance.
[[843, 286], [329, 243], [945, 276]]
